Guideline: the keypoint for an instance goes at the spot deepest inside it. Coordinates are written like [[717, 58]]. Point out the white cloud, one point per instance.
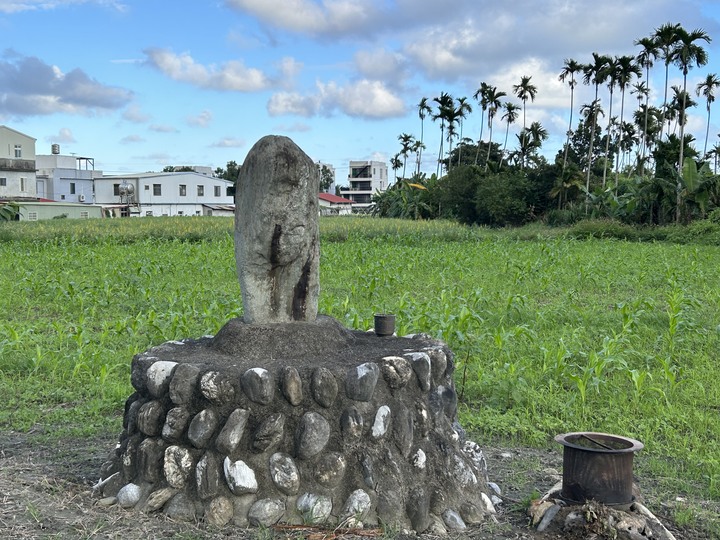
[[200, 120], [229, 142], [131, 139], [29, 86], [16, 6], [232, 75], [64, 136], [381, 64], [362, 99], [163, 128], [293, 103], [306, 16], [366, 99]]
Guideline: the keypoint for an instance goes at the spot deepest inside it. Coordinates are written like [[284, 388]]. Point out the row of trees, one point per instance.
[[598, 164]]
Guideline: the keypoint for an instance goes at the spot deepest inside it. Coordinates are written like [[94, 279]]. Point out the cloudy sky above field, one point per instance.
[[141, 84]]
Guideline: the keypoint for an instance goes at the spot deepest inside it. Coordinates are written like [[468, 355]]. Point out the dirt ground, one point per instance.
[[46, 492]]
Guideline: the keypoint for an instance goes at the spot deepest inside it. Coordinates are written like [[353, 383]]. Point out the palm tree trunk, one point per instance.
[[607, 141], [567, 140], [682, 150]]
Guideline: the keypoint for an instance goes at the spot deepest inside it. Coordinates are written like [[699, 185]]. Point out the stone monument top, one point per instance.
[[277, 247]]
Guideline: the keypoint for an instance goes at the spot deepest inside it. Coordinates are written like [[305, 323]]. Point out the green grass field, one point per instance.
[[550, 334]]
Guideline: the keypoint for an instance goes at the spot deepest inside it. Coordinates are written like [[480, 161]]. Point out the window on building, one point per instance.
[[201, 190], [180, 213], [18, 150], [157, 190], [360, 172], [361, 186], [218, 191], [3, 182], [361, 198], [147, 187], [183, 190], [62, 197], [84, 215], [197, 212], [23, 181], [116, 190], [72, 188]]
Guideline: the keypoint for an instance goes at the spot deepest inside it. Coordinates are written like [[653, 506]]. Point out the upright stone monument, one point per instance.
[[285, 416], [277, 244]]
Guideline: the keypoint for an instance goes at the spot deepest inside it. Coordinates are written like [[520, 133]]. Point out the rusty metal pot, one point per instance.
[[597, 466]]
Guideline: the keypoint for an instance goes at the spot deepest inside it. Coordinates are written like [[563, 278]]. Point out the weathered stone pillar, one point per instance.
[[276, 233]]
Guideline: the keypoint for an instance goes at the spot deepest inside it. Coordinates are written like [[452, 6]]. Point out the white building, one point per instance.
[[365, 178], [17, 165], [164, 194], [65, 178], [332, 205]]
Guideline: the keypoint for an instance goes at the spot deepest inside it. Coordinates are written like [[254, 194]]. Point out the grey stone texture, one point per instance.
[[277, 248]]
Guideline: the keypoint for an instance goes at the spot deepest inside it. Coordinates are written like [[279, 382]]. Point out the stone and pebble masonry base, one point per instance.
[[369, 438]]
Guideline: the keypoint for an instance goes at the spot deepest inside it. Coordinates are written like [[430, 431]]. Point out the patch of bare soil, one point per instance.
[[46, 492]]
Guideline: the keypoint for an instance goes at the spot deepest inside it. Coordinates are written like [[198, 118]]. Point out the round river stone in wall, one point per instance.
[[208, 475], [421, 367], [177, 466], [159, 376], [229, 438], [203, 427], [183, 383], [330, 469], [396, 371], [239, 477], [324, 387], [284, 473], [258, 385], [270, 433], [151, 417], [266, 512], [312, 434], [292, 385], [217, 387], [360, 381], [314, 508], [176, 421]]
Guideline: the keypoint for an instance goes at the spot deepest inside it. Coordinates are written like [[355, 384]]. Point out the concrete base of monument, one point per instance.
[[299, 423]]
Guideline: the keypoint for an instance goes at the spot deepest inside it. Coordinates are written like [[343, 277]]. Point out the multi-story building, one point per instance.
[[164, 194], [17, 165], [65, 178], [365, 178]]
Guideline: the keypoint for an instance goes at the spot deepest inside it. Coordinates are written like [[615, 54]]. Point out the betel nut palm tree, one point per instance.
[[685, 54], [524, 91], [493, 100], [570, 68], [445, 104], [463, 109], [423, 111], [665, 37], [595, 73], [626, 70], [480, 96], [707, 88], [645, 59], [510, 114]]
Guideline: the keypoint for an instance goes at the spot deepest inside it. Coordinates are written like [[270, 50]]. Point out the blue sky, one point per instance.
[[138, 85]]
